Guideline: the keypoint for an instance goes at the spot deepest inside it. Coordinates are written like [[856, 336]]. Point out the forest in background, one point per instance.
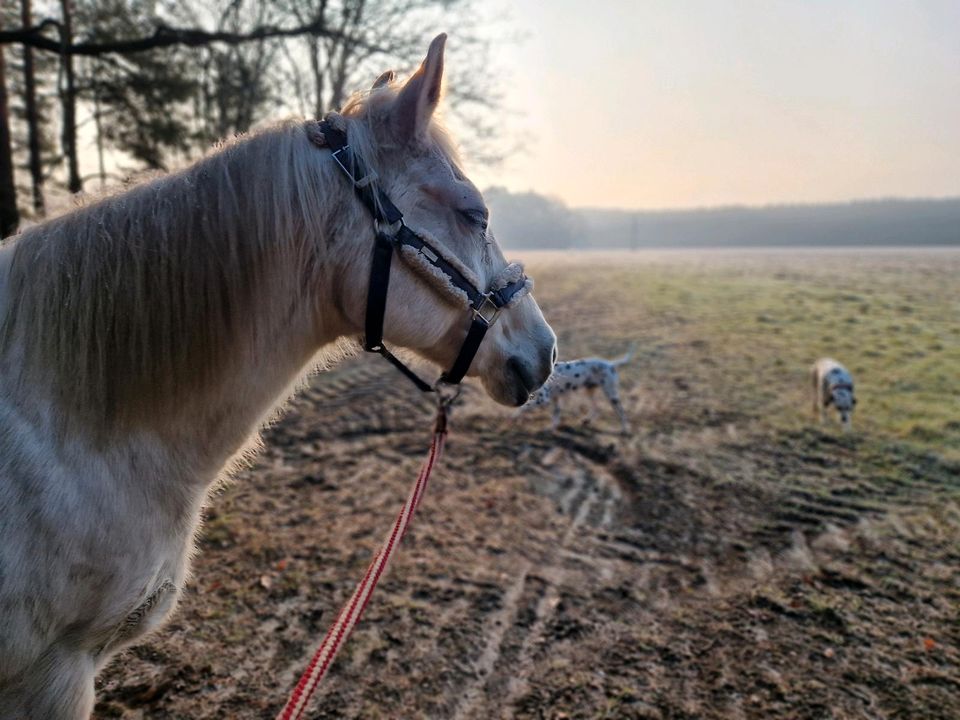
[[532, 221]]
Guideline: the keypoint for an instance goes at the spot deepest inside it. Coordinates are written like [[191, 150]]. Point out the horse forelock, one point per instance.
[[142, 295]]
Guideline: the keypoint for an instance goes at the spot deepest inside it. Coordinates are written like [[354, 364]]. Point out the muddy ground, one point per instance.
[[722, 561]]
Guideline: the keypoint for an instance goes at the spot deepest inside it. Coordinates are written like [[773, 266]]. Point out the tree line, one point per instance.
[[91, 90], [527, 220]]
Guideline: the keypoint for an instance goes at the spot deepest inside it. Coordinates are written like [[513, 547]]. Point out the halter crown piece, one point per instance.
[[392, 234]]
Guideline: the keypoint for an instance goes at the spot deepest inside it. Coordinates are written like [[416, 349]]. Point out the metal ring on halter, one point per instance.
[[388, 229], [446, 393]]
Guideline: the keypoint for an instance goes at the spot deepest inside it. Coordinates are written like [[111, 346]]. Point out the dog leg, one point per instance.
[[815, 393], [555, 421], [821, 401], [594, 406], [611, 389]]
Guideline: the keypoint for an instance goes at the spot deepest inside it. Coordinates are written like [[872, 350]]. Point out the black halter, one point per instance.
[[392, 233]]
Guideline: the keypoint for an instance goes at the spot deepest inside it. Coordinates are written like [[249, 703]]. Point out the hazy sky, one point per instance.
[[676, 104]]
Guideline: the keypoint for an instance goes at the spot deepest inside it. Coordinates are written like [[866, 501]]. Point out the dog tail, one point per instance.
[[626, 357]]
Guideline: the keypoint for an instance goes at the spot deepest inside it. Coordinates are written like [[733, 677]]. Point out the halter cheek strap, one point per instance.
[[392, 234]]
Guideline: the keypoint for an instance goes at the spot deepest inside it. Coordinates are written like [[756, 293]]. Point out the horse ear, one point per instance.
[[384, 79], [419, 97]]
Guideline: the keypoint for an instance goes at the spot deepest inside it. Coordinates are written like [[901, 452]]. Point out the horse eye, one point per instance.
[[476, 218]]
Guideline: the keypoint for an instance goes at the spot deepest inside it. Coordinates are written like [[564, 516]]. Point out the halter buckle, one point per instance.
[[362, 182], [487, 310]]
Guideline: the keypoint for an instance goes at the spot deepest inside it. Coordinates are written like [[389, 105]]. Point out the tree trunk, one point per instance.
[[30, 100], [315, 67], [69, 98], [98, 122], [9, 215]]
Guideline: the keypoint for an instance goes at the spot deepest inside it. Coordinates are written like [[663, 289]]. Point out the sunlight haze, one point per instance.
[[665, 105]]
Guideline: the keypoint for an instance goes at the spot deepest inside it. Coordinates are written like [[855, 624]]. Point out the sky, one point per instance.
[[674, 104]]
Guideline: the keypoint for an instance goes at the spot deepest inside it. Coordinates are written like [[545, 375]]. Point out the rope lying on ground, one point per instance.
[[352, 611]]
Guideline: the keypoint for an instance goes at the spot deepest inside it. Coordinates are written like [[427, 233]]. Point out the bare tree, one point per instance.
[[32, 115], [234, 82], [211, 68], [370, 36], [107, 49], [9, 215], [68, 97]]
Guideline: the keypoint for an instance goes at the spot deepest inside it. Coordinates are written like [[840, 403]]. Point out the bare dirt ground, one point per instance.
[[728, 559]]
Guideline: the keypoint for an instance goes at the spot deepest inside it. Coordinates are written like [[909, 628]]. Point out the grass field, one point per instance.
[[729, 559], [892, 316]]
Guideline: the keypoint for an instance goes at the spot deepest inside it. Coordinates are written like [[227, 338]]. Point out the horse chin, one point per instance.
[[510, 392], [515, 383]]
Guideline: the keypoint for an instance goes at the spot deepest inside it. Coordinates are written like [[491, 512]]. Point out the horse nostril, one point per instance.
[[524, 383], [516, 367], [553, 355]]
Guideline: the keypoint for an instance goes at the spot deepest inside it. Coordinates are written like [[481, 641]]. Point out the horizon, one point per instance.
[[734, 205]]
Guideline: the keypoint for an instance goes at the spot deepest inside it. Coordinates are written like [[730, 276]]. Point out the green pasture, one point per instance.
[[744, 326]]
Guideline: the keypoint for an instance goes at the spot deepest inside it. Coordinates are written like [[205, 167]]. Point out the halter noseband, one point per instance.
[[392, 234]]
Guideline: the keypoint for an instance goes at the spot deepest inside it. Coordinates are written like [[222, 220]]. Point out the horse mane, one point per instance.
[[130, 302], [137, 297]]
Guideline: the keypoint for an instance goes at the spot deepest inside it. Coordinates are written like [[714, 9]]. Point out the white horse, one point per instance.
[[145, 338]]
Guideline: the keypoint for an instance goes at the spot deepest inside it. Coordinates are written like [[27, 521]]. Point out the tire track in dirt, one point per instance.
[[502, 670], [823, 491]]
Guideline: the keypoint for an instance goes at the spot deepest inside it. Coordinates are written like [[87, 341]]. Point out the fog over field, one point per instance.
[[530, 220]]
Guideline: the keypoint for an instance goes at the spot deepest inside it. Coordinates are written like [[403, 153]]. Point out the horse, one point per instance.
[[832, 384], [146, 337]]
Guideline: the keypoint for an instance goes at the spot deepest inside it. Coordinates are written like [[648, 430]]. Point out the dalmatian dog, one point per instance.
[[832, 384], [588, 374]]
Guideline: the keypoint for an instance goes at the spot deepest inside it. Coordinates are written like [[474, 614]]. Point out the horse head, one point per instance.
[[392, 127]]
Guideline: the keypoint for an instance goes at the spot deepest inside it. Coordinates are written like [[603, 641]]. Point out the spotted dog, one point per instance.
[[832, 384], [588, 374]]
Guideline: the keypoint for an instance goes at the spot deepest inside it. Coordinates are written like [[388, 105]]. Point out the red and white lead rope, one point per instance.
[[351, 612]]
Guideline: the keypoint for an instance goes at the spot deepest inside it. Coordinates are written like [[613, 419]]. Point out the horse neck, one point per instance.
[[298, 330], [291, 315], [220, 420]]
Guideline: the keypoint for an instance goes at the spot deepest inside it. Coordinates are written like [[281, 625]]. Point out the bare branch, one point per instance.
[[165, 36]]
